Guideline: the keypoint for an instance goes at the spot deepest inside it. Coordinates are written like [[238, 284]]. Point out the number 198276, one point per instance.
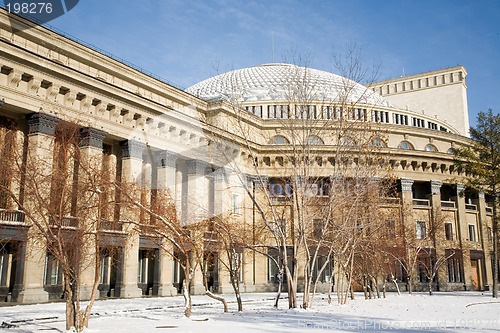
[[30, 8]]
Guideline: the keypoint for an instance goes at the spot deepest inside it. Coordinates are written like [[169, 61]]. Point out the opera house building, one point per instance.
[[234, 147]]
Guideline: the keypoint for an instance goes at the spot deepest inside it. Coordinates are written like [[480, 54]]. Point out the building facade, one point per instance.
[[151, 133]]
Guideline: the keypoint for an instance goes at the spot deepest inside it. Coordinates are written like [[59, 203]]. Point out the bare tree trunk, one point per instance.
[[375, 283], [292, 294], [396, 284], [365, 287], [187, 298], [370, 288], [209, 293], [278, 293], [70, 310], [217, 298], [307, 289], [330, 286], [236, 287], [188, 275]]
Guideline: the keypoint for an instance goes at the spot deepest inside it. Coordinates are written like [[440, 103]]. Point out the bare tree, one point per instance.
[[481, 161], [324, 154], [63, 205]]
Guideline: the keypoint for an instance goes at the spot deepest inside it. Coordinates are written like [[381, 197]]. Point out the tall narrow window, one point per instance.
[[421, 231], [236, 204], [53, 274], [454, 263], [448, 229], [472, 232]]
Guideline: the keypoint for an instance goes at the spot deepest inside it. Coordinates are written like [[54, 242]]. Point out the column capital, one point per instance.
[[132, 149], [436, 187], [480, 195], [166, 158], [406, 185], [42, 123], [460, 188], [92, 137], [196, 167], [220, 174], [258, 181]]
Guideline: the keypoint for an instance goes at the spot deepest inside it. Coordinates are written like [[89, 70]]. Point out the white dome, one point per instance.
[[284, 82]]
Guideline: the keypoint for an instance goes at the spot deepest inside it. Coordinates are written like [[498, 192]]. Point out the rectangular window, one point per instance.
[[472, 233], [326, 275], [236, 205], [400, 119], [273, 258], [454, 265], [421, 230], [328, 112], [53, 275], [299, 110], [282, 111], [273, 262], [271, 111], [448, 229], [258, 111], [312, 112]]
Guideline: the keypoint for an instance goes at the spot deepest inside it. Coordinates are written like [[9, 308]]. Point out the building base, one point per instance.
[[32, 295]]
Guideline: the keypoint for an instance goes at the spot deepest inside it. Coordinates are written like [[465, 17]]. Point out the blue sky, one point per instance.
[[188, 41]]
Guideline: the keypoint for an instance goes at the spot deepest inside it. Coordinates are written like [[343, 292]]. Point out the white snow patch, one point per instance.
[[453, 312]]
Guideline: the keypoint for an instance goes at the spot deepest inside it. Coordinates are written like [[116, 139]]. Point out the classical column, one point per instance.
[[484, 238], [41, 140], [197, 191], [463, 236], [257, 278], [408, 221], [91, 143], [167, 173], [407, 199], [131, 178], [166, 190], [197, 208], [438, 220], [222, 195]]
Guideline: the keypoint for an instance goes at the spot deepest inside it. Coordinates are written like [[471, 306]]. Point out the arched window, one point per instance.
[[405, 145], [347, 141], [279, 140], [376, 141], [315, 140], [451, 151], [430, 147]]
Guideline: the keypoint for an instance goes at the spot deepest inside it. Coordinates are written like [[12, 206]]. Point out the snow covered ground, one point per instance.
[[442, 312]]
